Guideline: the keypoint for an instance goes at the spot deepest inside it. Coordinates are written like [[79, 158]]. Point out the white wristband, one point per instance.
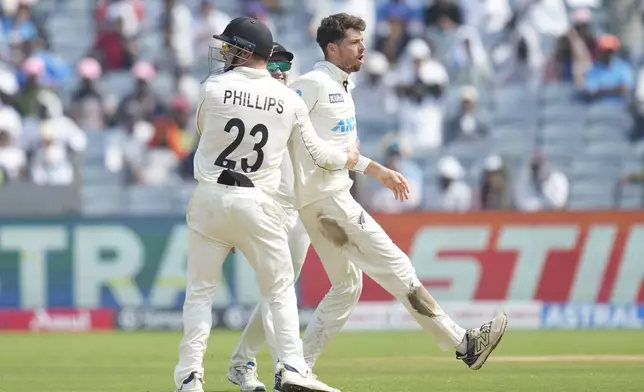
[[362, 164]]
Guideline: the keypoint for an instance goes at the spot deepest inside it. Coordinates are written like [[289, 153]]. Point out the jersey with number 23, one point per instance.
[[246, 120]]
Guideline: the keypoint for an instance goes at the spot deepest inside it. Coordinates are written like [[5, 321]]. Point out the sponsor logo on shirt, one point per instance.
[[346, 125], [336, 98]]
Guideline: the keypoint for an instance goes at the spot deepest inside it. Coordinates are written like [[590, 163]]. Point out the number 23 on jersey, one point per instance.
[[230, 164]]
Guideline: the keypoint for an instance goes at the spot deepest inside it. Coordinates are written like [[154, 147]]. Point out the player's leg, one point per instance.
[[205, 259], [254, 337], [336, 306], [298, 245], [242, 370], [345, 223], [267, 252]]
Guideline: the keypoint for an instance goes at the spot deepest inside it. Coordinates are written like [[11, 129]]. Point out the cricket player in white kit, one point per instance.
[[344, 235], [243, 368], [246, 120]]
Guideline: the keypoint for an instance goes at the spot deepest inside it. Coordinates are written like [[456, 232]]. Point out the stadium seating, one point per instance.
[[586, 142]]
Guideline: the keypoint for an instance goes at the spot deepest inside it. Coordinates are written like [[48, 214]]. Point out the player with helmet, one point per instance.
[[247, 121], [243, 362]]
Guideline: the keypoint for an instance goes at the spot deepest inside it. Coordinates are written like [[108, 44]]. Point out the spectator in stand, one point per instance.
[[582, 20], [5, 47], [410, 13], [455, 194], [400, 11], [20, 26], [50, 164], [521, 60], [467, 61], [574, 52], [382, 200], [128, 146], [143, 95], [56, 70], [488, 16], [11, 120], [54, 138], [87, 105], [610, 79], [625, 17], [466, 125], [420, 83], [13, 159], [375, 88], [32, 71], [258, 10], [178, 33], [209, 21], [131, 13], [366, 9], [444, 15], [172, 131], [392, 34], [115, 50], [541, 187], [495, 192], [546, 17]]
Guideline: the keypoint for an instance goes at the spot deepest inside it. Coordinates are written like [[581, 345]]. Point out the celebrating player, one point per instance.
[[243, 369], [247, 120], [343, 234]]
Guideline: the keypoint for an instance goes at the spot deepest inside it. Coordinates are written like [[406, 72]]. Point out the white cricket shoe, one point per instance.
[[287, 379], [192, 383], [482, 341], [245, 376]]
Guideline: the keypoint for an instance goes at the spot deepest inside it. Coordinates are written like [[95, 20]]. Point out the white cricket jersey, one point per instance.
[[246, 120], [286, 191], [326, 92]]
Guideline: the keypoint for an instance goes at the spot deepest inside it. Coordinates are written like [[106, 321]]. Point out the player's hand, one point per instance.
[[353, 155], [396, 182]]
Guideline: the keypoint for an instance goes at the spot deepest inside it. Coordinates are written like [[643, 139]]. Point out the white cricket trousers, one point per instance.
[[346, 238], [220, 217], [254, 336]]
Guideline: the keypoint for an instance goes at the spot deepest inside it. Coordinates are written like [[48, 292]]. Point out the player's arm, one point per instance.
[[391, 179], [309, 90], [324, 156]]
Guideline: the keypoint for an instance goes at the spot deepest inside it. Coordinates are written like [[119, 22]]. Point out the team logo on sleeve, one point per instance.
[[299, 92], [336, 98]]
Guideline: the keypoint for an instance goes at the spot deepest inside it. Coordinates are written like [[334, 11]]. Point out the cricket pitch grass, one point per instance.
[[534, 361]]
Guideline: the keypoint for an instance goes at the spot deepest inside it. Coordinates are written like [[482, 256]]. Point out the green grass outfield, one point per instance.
[[541, 361]]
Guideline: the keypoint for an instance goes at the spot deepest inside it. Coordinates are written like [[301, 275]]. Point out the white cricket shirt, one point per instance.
[[246, 120], [326, 92]]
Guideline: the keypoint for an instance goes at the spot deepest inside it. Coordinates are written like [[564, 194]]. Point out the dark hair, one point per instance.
[[334, 28]]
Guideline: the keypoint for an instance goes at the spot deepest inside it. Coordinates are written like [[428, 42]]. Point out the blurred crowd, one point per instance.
[[474, 46], [418, 51]]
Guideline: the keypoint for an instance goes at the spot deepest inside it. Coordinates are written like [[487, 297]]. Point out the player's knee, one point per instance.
[[281, 288], [351, 287], [356, 289]]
